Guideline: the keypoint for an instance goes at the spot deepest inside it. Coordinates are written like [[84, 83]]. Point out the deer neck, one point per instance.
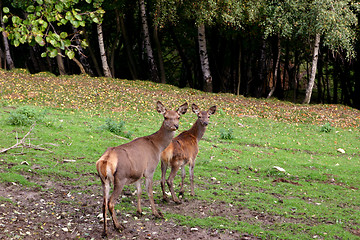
[[197, 130], [162, 137]]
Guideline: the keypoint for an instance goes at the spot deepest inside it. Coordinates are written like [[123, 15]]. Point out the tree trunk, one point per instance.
[[187, 73], [60, 63], [92, 55], [6, 42], [276, 68], [313, 70], [159, 53], [154, 76], [82, 69], [261, 76], [104, 62], [85, 66], [204, 60], [239, 71], [131, 61]]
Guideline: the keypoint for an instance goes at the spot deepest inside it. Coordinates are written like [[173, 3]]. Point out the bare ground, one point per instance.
[[60, 214]]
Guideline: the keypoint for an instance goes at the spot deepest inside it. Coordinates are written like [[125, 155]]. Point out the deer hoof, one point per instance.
[[159, 214], [120, 227], [139, 214], [104, 234]]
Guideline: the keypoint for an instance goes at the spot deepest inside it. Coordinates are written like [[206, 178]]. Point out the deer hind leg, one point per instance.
[[118, 187], [149, 183], [170, 182], [183, 175], [163, 175], [138, 193], [106, 190], [191, 173]]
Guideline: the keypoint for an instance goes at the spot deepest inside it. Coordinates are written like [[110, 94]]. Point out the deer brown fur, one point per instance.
[[128, 163], [183, 150]]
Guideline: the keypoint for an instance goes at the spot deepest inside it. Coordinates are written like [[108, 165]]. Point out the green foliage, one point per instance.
[[226, 134], [46, 24], [116, 128], [326, 128], [24, 116]]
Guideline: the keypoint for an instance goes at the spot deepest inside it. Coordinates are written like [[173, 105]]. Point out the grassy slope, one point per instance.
[[317, 196]]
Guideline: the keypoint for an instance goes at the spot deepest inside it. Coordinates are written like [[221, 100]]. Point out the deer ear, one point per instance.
[[195, 108], [212, 110], [182, 109], [160, 107]]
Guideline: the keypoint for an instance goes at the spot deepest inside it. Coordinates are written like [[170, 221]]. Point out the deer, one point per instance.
[[183, 150], [128, 163]]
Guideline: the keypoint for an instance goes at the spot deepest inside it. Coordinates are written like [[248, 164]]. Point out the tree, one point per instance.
[[104, 62], [154, 75]]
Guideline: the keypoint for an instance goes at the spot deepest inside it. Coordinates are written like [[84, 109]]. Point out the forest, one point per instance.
[[303, 51]]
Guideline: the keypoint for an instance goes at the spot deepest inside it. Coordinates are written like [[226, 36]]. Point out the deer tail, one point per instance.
[[106, 167]]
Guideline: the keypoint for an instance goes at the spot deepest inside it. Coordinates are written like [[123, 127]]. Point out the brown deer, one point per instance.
[[128, 163], [183, 150]]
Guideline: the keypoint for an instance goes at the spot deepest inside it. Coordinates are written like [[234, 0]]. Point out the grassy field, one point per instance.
[[266, 168]]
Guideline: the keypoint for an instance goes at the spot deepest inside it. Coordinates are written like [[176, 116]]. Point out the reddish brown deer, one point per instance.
[[128, 163], [183, 150]]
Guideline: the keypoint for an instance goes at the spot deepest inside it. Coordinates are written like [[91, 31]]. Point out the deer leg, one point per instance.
[[170, 182], [106, 190], [191, 173], [149, 183], [139, 191], [163, 175], [183, 174], [118, 187]]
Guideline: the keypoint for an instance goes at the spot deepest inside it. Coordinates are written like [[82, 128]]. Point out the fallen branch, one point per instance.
[[21, 143], [119, 136]]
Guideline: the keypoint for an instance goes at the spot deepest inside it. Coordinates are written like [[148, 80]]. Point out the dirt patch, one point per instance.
[[59, 213]]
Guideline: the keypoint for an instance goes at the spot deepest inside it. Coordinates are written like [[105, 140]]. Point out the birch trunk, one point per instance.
[[154, 76], [204, 60], [313, 70], [104, 62]]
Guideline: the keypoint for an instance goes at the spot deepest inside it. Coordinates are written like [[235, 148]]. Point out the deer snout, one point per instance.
[[176, 126], [205, 123]]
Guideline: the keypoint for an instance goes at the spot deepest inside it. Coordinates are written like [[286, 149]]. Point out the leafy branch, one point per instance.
[[44, 24]]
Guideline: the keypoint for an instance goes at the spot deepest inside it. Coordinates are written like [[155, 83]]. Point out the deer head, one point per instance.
[[203, 116], [171, 118]]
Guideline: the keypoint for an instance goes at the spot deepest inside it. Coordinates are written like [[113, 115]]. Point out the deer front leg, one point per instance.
[[118, 187], [170, 183], [149, 188], [163, 175]]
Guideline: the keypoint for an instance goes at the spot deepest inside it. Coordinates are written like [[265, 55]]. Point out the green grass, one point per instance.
[[318, 194]]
